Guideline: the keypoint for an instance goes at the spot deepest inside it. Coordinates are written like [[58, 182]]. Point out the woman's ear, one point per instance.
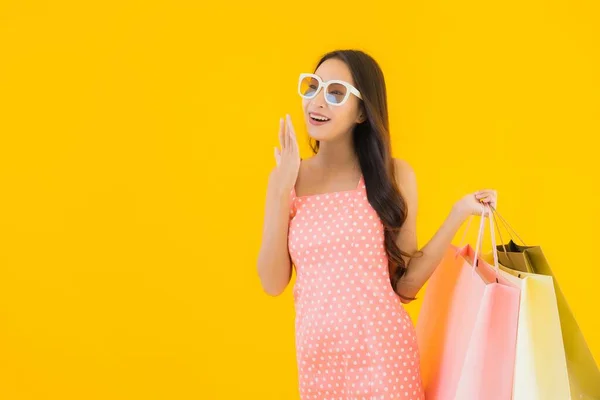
[[362, 116]]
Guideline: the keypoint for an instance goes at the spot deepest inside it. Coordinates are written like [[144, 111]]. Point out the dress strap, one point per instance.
[[361, 183]]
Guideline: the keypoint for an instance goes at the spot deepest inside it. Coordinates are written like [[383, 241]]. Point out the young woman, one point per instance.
[[346, 220]]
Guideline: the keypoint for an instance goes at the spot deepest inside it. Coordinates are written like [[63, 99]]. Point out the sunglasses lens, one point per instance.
[[308, 86], [336, 93]]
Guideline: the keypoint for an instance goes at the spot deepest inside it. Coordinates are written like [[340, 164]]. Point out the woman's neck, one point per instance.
[[337, 155]]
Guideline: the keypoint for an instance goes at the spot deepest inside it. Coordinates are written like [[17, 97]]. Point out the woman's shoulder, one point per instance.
[[405, 175], [403, 168]]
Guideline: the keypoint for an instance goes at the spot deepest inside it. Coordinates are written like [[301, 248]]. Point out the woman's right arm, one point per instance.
[[274, 264]]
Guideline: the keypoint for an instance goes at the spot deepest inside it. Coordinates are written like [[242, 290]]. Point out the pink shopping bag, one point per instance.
[[467, 328]]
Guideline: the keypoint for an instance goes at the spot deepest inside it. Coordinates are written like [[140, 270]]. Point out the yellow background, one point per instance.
[[136, 139]]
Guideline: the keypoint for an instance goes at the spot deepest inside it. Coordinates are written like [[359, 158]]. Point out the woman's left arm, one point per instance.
[[420, 269]]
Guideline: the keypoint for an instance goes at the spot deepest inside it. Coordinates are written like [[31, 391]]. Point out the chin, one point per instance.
[[314, 134], [320, 133]]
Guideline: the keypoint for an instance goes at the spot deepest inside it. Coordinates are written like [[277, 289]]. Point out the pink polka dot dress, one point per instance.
[[354, 339]]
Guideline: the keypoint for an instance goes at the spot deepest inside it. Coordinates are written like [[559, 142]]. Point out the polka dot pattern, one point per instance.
[[354, 339]]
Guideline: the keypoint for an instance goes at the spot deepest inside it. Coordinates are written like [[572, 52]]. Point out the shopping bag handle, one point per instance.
[[507, 226], [478, 245], [508, 229], [480, 239], [500, 233]]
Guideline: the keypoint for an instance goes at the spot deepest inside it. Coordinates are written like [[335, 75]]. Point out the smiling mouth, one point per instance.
[[318, 118]]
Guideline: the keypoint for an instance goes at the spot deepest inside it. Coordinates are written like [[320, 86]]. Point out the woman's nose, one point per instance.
[[319, 99]]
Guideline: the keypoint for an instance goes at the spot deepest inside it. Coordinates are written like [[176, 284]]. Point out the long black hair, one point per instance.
[[372, 146]]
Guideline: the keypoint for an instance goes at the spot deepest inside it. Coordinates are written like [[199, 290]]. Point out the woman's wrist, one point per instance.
[[279, 193], [278, 190], [460, 211]]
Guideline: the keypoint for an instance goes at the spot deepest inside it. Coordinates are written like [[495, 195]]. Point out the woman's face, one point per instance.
[[340, 119]]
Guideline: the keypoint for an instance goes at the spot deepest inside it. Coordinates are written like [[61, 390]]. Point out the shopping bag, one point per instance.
[[584, 375], [467, 328], [540, 364]]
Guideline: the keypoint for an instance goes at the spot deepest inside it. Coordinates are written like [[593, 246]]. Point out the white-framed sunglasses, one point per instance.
[[336, 91]]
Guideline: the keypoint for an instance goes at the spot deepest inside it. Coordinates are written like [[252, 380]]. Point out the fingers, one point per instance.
[[287, 133], [488, 199], [485, 199], [281, 133], [485, 196], [483, 193], [292, 131], [287, 138], [291, 126], [277, 156]]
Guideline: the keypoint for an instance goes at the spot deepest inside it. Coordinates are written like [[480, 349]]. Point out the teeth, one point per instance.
[[318, 118]]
